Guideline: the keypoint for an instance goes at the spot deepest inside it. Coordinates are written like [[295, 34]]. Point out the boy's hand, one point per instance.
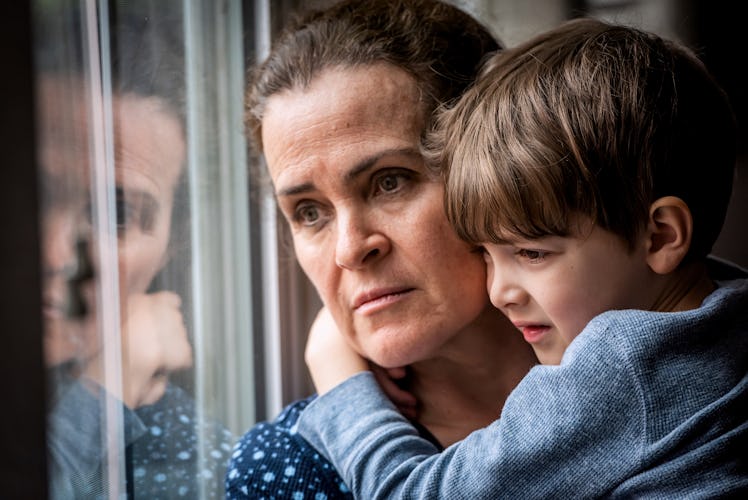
[[328, 355], [388, 379], [331, 360]]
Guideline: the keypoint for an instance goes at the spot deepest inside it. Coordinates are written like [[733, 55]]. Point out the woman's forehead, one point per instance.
[[345, 111], [373, 92]]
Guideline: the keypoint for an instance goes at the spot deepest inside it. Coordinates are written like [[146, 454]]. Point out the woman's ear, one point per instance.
[[669, 233]]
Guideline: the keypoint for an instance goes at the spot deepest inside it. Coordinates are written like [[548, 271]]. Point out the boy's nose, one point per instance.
[[502, 289]]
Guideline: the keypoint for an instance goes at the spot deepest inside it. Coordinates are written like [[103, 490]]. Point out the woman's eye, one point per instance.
[[135, 210], [390, 182], [307, 214], [126, 212]]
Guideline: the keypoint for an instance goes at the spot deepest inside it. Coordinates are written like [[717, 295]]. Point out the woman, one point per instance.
[[338, 109]]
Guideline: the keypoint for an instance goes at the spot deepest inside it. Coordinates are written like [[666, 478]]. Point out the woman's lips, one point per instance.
[[376, 300], [53, 309]]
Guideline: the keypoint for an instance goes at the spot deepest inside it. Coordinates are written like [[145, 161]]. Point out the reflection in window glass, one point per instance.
[[136, 175]]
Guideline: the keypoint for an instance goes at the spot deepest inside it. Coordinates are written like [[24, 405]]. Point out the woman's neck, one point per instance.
[[464, 387]]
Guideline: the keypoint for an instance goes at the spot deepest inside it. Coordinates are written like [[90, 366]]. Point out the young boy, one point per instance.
[[593, 166]]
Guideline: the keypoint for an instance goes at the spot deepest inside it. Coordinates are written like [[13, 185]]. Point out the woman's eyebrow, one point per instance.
[[297, 189], [369, 162], [358, 169]]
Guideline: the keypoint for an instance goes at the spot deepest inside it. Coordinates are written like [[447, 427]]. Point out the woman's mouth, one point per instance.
[[53, 310], [374, 301]]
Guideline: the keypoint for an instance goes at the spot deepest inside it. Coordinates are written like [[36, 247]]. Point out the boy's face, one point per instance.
[[551, 287]]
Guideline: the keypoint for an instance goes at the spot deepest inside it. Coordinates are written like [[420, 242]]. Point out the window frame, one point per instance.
[[23, 417]]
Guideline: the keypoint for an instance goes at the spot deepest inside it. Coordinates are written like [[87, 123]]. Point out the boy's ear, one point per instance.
[[669, 233]]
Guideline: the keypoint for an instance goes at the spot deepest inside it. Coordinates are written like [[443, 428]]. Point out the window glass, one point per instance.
[[175, 314], [149, 323]]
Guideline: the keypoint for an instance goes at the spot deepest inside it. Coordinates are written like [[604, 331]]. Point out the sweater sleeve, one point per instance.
[[571, 431]]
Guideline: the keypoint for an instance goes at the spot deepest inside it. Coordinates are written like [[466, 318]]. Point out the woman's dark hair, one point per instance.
[[441, 46]]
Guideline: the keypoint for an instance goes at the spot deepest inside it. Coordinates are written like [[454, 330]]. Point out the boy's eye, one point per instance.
[[532, 255]]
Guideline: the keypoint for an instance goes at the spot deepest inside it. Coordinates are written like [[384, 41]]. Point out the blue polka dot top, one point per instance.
[[271, 461]]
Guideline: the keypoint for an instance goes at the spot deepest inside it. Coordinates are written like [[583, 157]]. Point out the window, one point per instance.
[[152, 246], [174, 312]]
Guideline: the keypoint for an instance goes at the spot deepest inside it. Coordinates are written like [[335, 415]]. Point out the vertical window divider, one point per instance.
[[271, 333], [219, 207], [104, 226]]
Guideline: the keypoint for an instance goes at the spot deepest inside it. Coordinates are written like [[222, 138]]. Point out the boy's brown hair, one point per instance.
[[592, 119]]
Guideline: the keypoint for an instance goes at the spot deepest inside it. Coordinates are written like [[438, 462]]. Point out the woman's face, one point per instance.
[[149, 154], [367, 217]]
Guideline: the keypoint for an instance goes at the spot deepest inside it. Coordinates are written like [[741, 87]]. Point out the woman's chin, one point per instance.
[[390, 358]]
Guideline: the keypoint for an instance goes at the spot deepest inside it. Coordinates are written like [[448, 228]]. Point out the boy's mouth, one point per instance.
[[532, 333]]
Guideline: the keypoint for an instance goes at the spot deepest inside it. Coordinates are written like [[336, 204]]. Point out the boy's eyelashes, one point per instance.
[[532, 255]]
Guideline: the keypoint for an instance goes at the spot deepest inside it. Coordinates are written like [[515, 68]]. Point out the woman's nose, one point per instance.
[[58, 242], [359, 243]]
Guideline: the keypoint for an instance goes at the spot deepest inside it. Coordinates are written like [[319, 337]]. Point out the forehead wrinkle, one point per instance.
[[372, 160], [352, 174], [305, 187]]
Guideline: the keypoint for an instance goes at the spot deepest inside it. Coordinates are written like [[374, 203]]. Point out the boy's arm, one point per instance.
[[331, 360], [329, 357], [357, 410], [554, 437]]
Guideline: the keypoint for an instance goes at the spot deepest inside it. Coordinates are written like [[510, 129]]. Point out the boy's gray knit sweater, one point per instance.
[[643, 404]]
